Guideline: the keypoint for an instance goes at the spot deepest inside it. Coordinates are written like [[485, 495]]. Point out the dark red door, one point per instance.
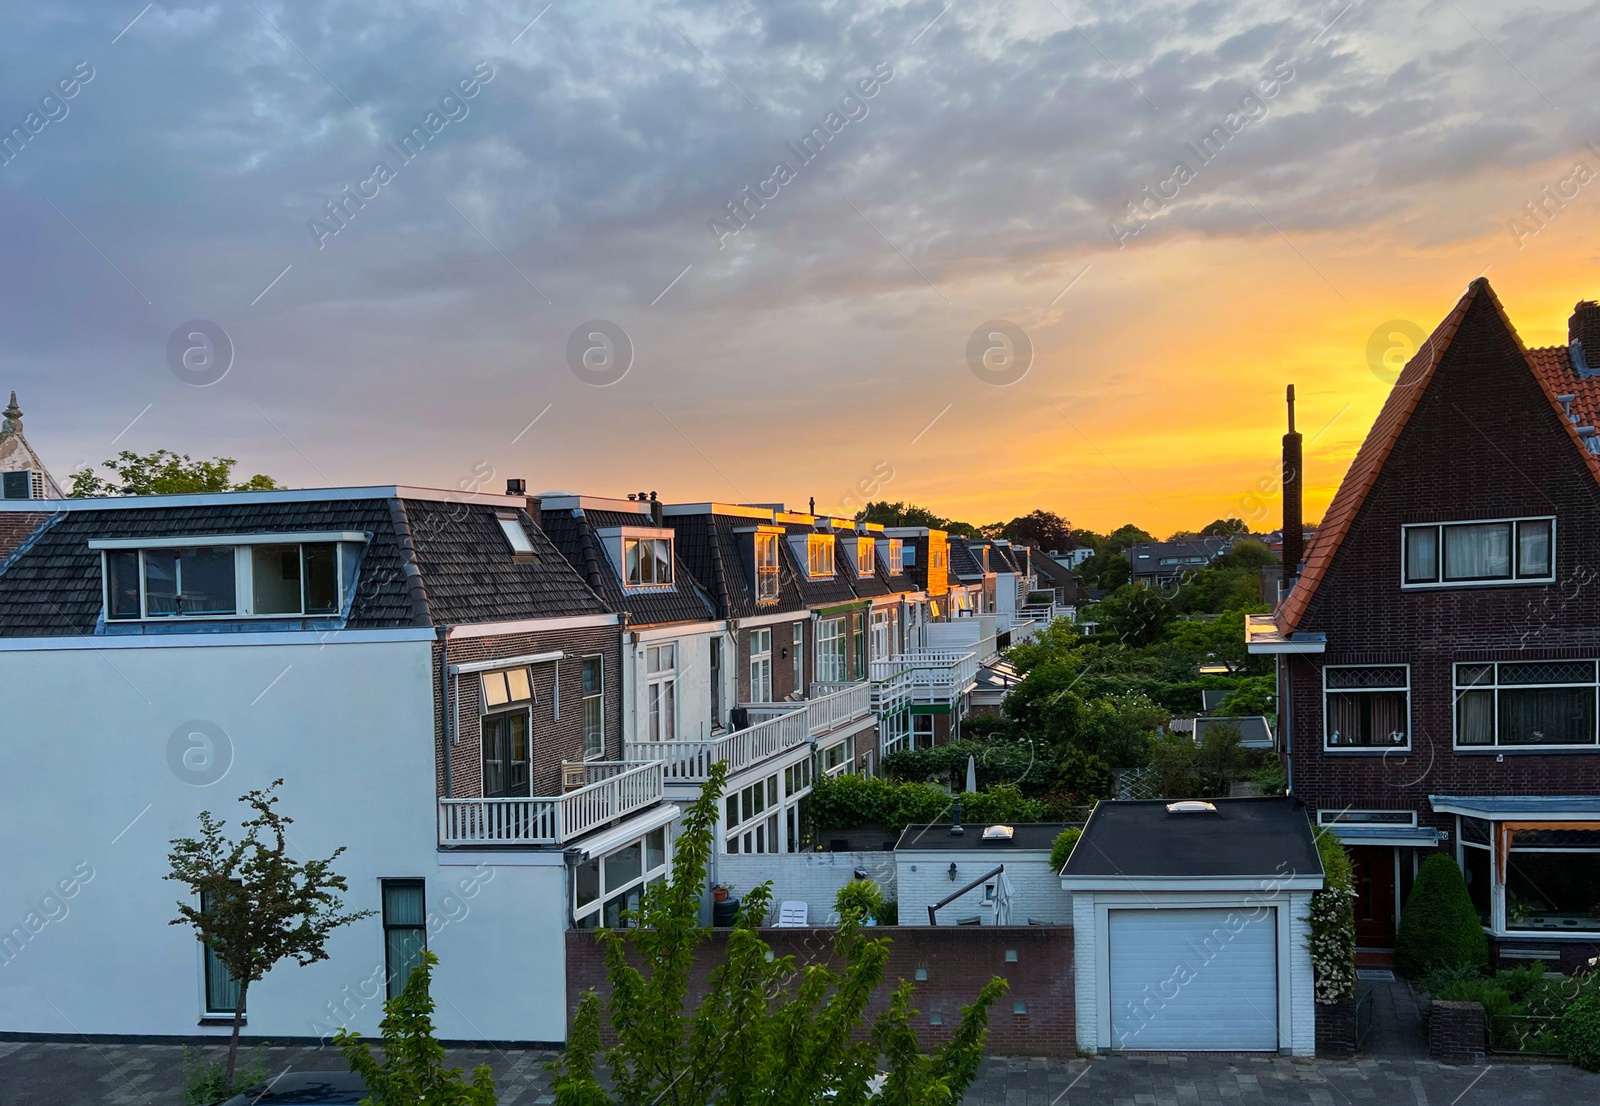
[[1374, 879]]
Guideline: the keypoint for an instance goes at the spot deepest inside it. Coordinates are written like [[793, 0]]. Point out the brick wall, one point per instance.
[[812, 878], [554, 740], [958, 962], [1336, 1030], [1456, 1031]]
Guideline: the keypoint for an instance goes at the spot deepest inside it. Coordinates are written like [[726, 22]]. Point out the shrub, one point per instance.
[[857, 900], [1579, 1034], [1270, 778], [888, 914], [1061, 847], [1333, 925], [207, 1080], [1002, 803], [1438, 926]]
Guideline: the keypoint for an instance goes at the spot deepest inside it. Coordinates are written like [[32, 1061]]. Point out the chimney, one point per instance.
[[813, 505], [657, 515], [1293, 488], [516, 486], [1583, 337]]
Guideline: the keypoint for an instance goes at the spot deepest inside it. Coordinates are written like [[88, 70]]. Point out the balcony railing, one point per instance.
[[929, 677], [614, 790], [691, 761], [831, 707]]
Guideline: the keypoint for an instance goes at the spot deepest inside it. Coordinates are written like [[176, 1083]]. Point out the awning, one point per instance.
[[1522, 808], [1414, 837]]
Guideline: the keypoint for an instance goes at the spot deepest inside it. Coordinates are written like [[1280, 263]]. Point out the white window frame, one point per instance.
[[1327, 746], [1495, 687], [761, 665], [514, 701], [646, 876], [880, 636], [1514, 580], [765, 822], [1342, 817], [866, 557], [585, 698], [798, 648], [768, 583], [649, 542], [515, 534], [820, 564], [346, 557], [896, 557], [661, 684], [833, 664]]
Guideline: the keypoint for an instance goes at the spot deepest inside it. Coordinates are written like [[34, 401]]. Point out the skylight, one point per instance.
[[516, 535]]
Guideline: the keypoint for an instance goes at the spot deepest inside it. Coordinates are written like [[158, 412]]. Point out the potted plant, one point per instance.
[[720, 891]]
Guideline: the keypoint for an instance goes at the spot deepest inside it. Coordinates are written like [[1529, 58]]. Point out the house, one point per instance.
[[1437, 652], [22, 473], [972, 580], [1058, 579], [1255, 732], [433, 681], [1165, 564], [1072, 558], [1190, 926], [979, 874]]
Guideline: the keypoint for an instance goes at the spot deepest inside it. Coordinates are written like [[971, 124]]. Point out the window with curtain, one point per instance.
[[1523, 703], [1366, 707], [766, 567], [405, 930], [1508, 550], [647, 562], [222, 990]]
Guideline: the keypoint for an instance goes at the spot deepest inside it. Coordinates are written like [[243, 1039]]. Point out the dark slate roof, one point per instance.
[[1244, 837], [820, 593], [963, 563], [16, 526], [715, 554], [470, 574], [1024, 835], [1148, 557], [573, 530], [1054, 574], [1001, 559]]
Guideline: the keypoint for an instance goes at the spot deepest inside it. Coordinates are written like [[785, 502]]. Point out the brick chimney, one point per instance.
[[1293, 489], [1583, 337]]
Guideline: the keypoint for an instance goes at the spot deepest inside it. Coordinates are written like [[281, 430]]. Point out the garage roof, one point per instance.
[[1266, 837]]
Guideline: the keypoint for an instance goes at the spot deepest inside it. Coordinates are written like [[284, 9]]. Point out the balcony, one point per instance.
[[614, 790], [830, 708], [691, 761], [929, 678]]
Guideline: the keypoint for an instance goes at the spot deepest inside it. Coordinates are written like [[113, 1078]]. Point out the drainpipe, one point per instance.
[[446, 729], [1286, 709]]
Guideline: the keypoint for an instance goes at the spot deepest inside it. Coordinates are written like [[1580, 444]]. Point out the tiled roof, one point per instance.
[[818, 593], [962, 561], [1380, 441], [15, 526], [573, 530], [715, 554]]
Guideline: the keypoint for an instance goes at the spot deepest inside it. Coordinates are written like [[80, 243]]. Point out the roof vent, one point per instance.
[[997, 833], [1191, 806]]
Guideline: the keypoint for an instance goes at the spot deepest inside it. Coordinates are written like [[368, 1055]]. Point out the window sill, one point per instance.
[[220, 1021], [1527, 750], [1366, 750]]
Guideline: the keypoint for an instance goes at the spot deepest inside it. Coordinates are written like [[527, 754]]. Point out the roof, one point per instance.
[[574, 531], [16, 455], [1241, 838], [1056, 575], [963, 562], [464, 569], [935, 837], [1255, 731], [834, 589], [15, 526], [1147, 557], [716, 553], [1501, 806], [1402, 403]]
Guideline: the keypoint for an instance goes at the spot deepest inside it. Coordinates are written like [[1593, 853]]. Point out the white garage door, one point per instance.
[[1181, 981]]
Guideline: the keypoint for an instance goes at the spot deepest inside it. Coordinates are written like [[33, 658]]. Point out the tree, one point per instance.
[[900, 513], [1123, 536], [1046, 529], [413, 1068], [1439, 927], [254, 905], [164, 473], [1225, 528], [767, 1032], [1135, 616]]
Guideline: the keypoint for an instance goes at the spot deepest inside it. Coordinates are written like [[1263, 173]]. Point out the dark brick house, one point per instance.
[[1437, 654]]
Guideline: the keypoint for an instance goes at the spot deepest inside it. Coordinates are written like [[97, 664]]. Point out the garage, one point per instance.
[[1189, 927]]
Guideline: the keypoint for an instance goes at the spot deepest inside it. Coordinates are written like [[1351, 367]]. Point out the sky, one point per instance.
[[605, 186]]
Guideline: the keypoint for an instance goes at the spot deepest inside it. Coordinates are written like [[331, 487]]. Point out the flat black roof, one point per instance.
[[1242, 837], [1024, 835]]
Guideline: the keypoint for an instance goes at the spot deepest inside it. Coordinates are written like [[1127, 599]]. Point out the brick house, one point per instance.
[[1437, 653]]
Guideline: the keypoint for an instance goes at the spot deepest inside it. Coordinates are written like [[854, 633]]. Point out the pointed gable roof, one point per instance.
[[16, 455], [1386, 429]]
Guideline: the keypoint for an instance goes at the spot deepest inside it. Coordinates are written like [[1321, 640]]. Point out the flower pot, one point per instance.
[[719, 894]]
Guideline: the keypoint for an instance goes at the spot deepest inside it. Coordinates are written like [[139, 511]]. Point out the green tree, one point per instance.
[[900, 513], [1225, 528], [1120, 728], [1122, 537], [767, 1032], [252, 904], [1046, 529], [1133, 615], [858, 900], [1061, 848], [1439, 927], [164, 473], [412, 1069], [1247, 553]]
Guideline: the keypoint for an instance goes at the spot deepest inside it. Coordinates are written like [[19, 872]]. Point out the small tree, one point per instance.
[[164, 473], [1061, 848], [858, 900], [767, 1032], [412, 1070], [1439, 928], [254, 905]]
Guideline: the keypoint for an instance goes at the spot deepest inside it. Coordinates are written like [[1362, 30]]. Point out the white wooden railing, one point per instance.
[[831, 707], [929, 677], [614, 789], [691, 761]]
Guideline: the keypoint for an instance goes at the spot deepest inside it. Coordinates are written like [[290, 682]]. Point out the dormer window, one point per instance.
[[647, 562], [766, 567], [866, 557], [819, 556], [897, 560]]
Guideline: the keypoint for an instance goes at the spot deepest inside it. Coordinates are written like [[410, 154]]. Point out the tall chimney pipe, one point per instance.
[[1293, 489]]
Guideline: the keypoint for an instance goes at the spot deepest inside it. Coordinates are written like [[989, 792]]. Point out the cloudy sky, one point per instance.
[[969, 174]]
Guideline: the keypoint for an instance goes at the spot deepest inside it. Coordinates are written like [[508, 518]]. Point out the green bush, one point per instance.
[[1002, 803], [1438, 926], [1333, 924], [888, 914], [1061, 847], [845, 802], [1270, 778], [1496, 1000], [207, 1081], [858, 900], [1579, 1035]]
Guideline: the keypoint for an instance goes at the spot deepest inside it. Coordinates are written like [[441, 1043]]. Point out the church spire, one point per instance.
[[13, 419]]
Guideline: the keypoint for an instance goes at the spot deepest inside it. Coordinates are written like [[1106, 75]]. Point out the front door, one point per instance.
[[1374, 879], [506, 755]]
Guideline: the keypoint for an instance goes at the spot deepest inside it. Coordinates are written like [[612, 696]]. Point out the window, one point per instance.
[[797, 781], [1553, 879], [922, 731], [908, 554], [661, 681], [715, 646], [506, 759], [866, 557], [647, 562], [1366, 817], [508, 687], [1367, 708], [405, 930], [897, 561], [594, 719], [1477, 863], [1503, 551], [604, 887], [255, 580], [1525, 704], [516, 536], [752, 818], [830, 651], [766, 568], [835, 759], [819, 556], [761, 666], [798, 657], [858, 636], [880, 635], [222, 990]]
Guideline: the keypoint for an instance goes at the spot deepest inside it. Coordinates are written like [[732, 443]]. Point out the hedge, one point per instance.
[[1438, 926], [845, 802], [1333, 925]]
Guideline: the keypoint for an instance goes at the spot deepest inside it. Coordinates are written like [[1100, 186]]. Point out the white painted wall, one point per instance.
[[814, 878], [90, 782], [924, 879], [694, 680]]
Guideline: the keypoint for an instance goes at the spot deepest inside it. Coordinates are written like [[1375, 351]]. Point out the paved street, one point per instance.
[[90, 1075]]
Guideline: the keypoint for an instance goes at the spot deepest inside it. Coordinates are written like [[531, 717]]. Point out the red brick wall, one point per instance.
[[958, 962], [1456, 1031]]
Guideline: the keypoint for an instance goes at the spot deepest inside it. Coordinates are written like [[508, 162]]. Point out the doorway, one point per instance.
[[1374, 870]]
